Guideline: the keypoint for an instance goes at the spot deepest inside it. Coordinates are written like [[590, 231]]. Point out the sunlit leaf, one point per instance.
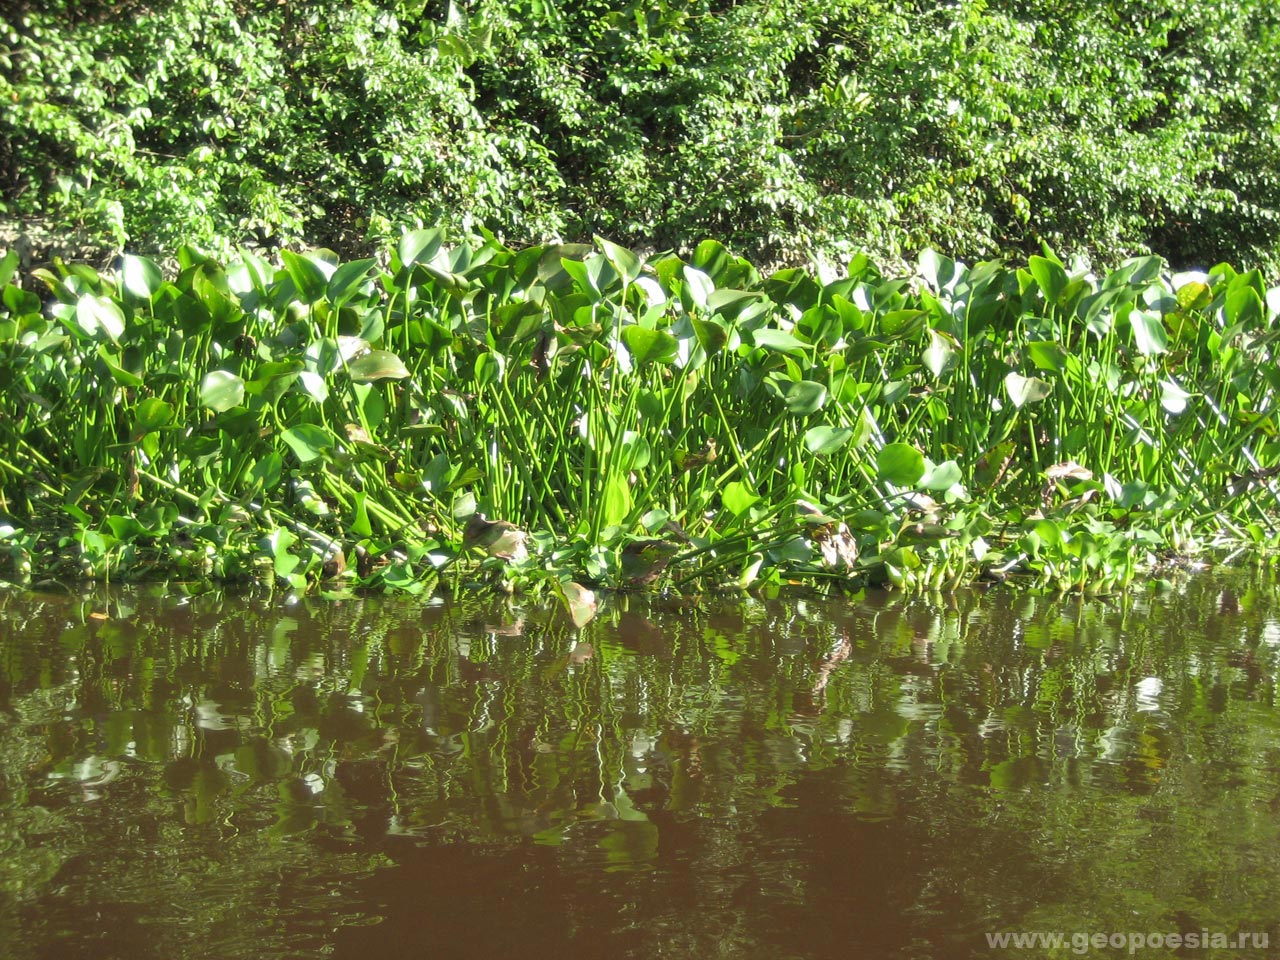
[[737, 498], [1149, 332], [623, 260], [937, 356], [308, 441], [1023, 390], [1172, 397], [1050, 277], [779, 340], [140, 277], [151, 414], [824, 440], [942, 476], [377, 365], [99, 316], [221, 390], [900, 464], [649, 346]]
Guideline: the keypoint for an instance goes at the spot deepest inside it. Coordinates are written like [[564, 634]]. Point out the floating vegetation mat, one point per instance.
[[576, 417]]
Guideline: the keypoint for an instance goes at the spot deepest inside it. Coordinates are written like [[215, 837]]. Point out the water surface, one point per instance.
[[250, 776]]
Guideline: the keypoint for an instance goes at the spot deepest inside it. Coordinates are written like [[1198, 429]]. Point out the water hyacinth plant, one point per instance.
[[575, 413]]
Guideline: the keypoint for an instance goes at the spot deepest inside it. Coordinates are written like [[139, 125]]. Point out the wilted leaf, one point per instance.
[[497, 538], [644, 560], [580, 602], [1068, 470]]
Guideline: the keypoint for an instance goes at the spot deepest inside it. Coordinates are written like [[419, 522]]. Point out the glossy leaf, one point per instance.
[[649, 346], [221, 390], [377, 365]]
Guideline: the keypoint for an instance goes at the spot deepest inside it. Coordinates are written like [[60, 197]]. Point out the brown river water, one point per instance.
[[258, 776]]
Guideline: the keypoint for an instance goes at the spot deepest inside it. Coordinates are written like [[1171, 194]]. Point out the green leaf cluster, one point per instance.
[[789, 130]]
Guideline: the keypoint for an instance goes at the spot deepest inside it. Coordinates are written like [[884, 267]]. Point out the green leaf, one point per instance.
[[1050, 277], [943, 476], [737, 498], [1047, 355], [419, 246], [805, 397], [1194, 296], [377, 365], [310, 275], [824, 440], [1024, 390], [649, 346], [624, 261], [900, 464], [937, 356], [778, 340], [265, 473], [98, 315], [617, 500], [936, 270], [899, 324], [346, 281], [308, 441], [126, 378], [140, 277], [150, 414], [699, 286], [1148, 332], [20, 302], [8, 266], [711, 336], [221, 391], [488, 369]]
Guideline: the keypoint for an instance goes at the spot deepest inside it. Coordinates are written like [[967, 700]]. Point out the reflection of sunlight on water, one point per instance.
[[1271, 632], [1148, 690]]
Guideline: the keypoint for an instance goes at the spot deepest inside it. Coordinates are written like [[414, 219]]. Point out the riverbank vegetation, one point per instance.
[[787, 129], [577, 413]]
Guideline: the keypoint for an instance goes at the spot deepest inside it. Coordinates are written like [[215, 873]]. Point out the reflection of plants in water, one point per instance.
[[1039, 745]]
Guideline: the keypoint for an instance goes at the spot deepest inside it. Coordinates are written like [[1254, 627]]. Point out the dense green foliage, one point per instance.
[[610, 416], [787, 129]]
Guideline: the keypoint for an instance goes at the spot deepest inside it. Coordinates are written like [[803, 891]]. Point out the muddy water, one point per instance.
[[247, 776]]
